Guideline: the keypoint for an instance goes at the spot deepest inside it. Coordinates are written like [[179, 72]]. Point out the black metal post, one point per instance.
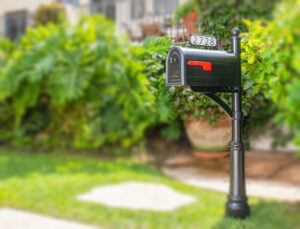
[[237, 205]]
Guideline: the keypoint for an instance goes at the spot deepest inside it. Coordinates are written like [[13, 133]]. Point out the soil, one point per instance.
[[267, 165]]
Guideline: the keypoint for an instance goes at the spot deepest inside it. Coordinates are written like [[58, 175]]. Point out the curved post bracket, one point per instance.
[[220, 102]]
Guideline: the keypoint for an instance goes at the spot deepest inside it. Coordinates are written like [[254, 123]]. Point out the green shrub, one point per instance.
[[75, 86], [154, 58], [272, 61], [176, 104], [49, 13], [6, 48], [153, 55], [218, 17], [171, 102]]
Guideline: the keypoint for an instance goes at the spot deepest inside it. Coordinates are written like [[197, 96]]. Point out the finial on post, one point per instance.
[[235, 32], [235, 42]]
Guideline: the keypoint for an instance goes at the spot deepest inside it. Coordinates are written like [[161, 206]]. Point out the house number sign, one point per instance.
[[202, 40]]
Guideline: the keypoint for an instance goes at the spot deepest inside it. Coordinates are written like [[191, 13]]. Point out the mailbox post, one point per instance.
[[210, 72], [237, 205]]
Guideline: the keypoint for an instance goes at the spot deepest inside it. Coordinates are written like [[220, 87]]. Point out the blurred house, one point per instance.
[[138, 18]]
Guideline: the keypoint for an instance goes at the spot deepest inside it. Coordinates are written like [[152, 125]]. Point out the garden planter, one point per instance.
[[190, 22], [151, 29], [209, 140]]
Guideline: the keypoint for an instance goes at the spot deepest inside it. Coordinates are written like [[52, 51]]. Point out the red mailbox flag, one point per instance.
[[206, 66]]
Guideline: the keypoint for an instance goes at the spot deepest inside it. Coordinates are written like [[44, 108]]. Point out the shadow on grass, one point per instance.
[[16, 164], [267, 215]]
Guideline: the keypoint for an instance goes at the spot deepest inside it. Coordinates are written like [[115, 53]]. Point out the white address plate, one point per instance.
[[201, 40]]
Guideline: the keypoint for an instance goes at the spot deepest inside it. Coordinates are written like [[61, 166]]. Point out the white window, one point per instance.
[[138, 9], [164, 7], [15, 24], [70, 2], [105, 7]]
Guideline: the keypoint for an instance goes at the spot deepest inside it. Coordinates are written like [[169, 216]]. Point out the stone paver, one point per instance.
[[264, 141], [258, 188], [138, 195], [16, 219]]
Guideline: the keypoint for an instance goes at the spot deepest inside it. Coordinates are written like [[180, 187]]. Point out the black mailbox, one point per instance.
[[203, 70], [209, 72]]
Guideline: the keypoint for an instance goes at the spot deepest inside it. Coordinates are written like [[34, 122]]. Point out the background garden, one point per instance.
[[80, 103], [82, 84]]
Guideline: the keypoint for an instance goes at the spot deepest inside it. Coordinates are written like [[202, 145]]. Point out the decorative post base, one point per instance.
[[237, 207]]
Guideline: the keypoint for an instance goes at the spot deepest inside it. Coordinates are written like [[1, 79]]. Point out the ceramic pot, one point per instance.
[[209, 138]]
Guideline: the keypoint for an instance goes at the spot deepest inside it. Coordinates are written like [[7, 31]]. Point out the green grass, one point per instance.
[[49, 183]]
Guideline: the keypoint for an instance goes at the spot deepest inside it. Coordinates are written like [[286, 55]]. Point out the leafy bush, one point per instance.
[[155, 51], [174, 104], [153, 55], [273, 62], [218, 17], [46, 13], [188, 104], [6, 48], [75, 86]]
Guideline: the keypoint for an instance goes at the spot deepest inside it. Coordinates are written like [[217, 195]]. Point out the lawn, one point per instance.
[[48, 183]]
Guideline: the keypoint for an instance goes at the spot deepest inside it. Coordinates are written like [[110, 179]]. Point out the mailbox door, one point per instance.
[[175, 68]]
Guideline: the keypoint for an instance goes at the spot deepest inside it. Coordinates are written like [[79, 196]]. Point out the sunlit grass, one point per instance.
[[49, 184]]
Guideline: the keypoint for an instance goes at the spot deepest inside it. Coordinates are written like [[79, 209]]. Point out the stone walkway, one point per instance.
[[16, 219], [273, 176], [258, 188], [138, 196], [129, 195]]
